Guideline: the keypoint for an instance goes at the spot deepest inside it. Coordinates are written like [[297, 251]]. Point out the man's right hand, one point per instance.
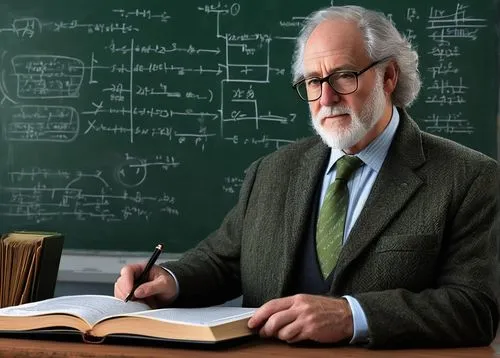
[[158, 290]]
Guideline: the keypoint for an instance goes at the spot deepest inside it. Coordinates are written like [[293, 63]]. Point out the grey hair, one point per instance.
[[381, 38]]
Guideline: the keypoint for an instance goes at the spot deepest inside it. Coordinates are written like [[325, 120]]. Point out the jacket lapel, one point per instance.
[[301, 188], [394, 186]]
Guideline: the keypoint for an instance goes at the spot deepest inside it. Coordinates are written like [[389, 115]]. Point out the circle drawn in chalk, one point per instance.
[[131, 173]]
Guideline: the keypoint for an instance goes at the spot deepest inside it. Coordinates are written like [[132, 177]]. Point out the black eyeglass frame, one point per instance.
[[327, 79]]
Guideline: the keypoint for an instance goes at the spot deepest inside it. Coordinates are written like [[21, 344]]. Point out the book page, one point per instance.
[[90, 308], [205, 316]]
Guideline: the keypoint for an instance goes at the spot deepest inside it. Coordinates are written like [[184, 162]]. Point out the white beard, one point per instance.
[[360, 125]]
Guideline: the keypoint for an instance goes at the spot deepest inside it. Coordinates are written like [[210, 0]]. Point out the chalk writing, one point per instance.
[[43, 76], [446, 27], [42, 123], [33, 195], [448, 88], [232, 185]]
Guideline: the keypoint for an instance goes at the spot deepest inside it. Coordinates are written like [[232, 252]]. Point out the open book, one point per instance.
[[97, 317], [29, 262]]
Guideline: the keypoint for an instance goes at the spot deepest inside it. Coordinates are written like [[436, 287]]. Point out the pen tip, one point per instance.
[[159, 246]]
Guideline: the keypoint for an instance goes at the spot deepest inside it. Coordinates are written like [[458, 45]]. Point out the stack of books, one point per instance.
[[29, 262]]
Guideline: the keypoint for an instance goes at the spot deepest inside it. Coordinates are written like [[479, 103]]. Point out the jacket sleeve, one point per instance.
[[209, 274], [462, 309]]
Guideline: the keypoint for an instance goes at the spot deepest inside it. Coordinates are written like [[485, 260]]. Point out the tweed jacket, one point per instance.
[[420, 259]]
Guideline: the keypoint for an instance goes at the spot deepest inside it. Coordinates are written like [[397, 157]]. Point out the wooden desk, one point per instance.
[[10, 347]]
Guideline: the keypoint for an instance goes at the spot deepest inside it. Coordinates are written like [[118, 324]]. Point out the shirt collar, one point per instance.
[[375, 152]]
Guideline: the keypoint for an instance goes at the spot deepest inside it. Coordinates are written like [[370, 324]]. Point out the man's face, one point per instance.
[[343, 120]]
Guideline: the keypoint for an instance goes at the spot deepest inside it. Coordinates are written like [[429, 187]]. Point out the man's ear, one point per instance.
[[391, 75]]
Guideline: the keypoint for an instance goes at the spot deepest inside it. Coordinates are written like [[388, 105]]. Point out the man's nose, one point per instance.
[[328, 95]]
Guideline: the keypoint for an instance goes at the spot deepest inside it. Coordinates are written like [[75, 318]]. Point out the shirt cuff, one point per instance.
[[176, 283], [360, 322]]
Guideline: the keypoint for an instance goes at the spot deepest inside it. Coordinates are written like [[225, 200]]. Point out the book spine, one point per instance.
[[48, 268]]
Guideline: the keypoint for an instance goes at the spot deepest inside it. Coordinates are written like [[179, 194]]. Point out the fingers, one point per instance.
[[292, 333], [277, 323], [268, 309], [118, 293], [158, 290], [281, 323], [125, 282], [159, 285], [132, 271]]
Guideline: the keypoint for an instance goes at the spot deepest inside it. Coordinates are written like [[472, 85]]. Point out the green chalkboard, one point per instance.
[[125, 123]]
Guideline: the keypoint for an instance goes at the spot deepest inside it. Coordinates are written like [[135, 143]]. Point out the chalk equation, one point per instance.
[[47, 76], [31, 123], [40, 194], [37, 76], [445, 88], [232, 185]]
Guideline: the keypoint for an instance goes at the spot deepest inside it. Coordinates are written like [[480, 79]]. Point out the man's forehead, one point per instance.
[[335, 40], [320, 63], [349, 54]]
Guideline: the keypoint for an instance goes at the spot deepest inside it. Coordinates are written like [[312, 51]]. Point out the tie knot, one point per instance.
[[346, 166]]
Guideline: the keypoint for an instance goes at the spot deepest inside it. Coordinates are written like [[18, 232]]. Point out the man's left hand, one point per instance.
[[304, 317]]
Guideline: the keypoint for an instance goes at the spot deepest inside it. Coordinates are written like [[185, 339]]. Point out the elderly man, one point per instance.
[[372, 232]]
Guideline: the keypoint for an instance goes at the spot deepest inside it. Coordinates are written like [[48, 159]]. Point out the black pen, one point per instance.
[[146, 270]]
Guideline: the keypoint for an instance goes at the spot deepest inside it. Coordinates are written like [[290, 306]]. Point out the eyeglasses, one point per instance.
[[342, 82]]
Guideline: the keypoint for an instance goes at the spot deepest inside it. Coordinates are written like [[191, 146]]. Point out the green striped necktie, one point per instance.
[[331, 219]]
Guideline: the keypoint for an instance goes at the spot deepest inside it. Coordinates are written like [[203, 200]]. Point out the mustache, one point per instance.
[[326, 111]]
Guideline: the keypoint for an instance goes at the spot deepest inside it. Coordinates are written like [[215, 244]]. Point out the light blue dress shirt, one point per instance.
[[360, 185]]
